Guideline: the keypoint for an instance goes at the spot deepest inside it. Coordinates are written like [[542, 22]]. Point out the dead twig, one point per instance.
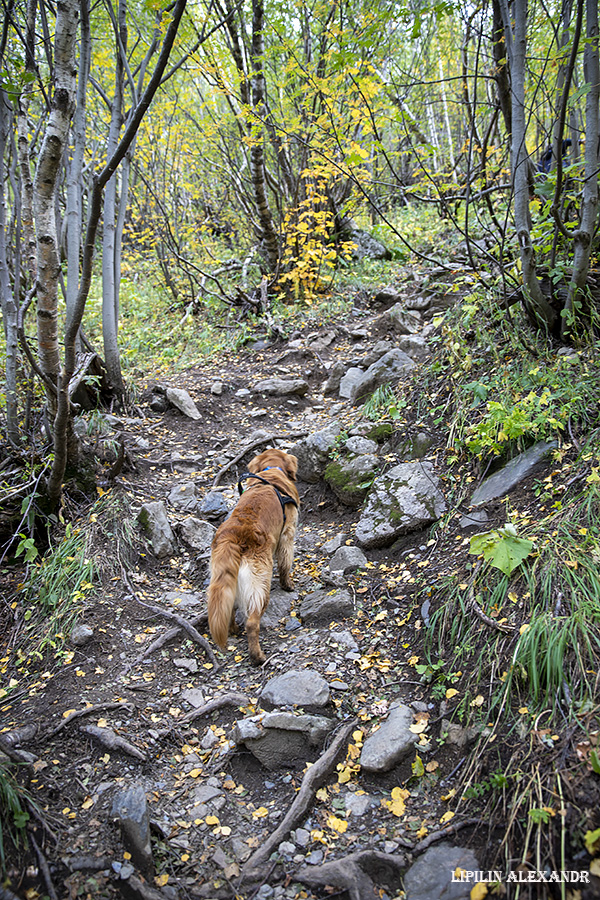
[[232, 699], [444, 833], [109, 739], [88, 711], [265, 439], [313, 779], [483, 616], [44, 868], [186, 625], [161, 640]]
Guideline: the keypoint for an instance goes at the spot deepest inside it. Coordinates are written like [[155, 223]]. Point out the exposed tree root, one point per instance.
[[444, 833], [314, 778], [163, 639], [186, 625], [358, 873], [44, 868], [109, 739], [89, 710], [232, 699]]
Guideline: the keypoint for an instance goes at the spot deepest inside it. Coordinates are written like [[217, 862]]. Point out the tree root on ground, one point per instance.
[[313, 779], [232, 699], [109, 739], [186, 625], [444, 833], [265, 439], [357, 873], [77, 714]]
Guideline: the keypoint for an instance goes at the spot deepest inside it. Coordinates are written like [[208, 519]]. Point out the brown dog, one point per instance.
[[261, 527]]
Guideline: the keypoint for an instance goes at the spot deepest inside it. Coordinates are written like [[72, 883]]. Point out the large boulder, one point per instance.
[[406, 498], [277, 739], [155, 522], [350, 479], [312, 452], [387, 370]]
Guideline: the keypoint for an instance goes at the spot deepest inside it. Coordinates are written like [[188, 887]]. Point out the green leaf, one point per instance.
[[595, 761], [503, 549]]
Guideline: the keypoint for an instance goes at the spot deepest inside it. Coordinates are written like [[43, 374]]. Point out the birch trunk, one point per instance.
[[589, 209], [7, 299]]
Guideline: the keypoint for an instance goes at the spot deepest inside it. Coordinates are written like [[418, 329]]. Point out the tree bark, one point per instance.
[[8, 302], [589, 210]]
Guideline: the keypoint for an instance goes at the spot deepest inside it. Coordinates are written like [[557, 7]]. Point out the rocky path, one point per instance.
[[164, 770]]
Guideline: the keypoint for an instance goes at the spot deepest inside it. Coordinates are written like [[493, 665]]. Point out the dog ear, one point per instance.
[[291, 466], [256, 464]]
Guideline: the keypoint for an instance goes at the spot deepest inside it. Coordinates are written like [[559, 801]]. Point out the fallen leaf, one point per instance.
[[478, 891], [446, 817]]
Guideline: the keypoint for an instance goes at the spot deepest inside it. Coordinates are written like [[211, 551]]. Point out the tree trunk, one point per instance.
[[7, 299], [45, 187], [589, 210], [538, 308]]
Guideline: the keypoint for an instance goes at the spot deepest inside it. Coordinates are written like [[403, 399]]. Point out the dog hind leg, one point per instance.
[[285, 554], [254, 588]]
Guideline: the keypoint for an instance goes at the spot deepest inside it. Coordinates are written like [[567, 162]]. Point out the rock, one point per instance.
[[185, 464], [320, 606], [334, 544], [365, 245], [406, 498], [312, 452], [503, 481], [350, 479], [376, 352], [158, 403], [386, 370], [387, 297], [278, 738], [243, 394], [347, 559], [182, 401], [130, 808], [457, 735], [418, 303], [198, 534], [360, 446], [415, 446], [358, 804], [280, 606], [344, 638], [193, 696], [190, 665], [154, 520], [349, 380], [213, 506], [430, 878], [336, 373], [402, 320], [474, 519], [391, 743], [81, 635], [297, 687], [183, 599], [183, 496], [216, 388], [415, 346], [282, 387]]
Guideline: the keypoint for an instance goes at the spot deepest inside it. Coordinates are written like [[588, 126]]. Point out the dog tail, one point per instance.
[[225, 565]]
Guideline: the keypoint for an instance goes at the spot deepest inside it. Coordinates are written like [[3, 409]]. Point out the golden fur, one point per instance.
[[245, 546]]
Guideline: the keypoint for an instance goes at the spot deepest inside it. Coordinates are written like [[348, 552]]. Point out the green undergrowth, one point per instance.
[[13, 813]]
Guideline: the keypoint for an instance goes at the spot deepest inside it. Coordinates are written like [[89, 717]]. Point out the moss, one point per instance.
[[381, 432]]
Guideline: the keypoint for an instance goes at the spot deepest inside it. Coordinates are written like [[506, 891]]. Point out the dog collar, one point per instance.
[[283, 498]]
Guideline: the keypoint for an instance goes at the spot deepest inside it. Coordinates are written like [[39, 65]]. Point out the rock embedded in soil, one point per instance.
[[81, 635], [131, 810], [402, 320], [406, 498], [392, 741], [155, 522], [182, 401], [347, 559], [282, 387], [430, 878], [386, 370], [278, 738], [198, 534], [213, 506], [312, 452], [183, 496], [508, 477], [350, 478], [347, 383], [297, 687], [325, 606]]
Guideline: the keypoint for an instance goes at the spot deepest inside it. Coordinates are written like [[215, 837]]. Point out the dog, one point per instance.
[[261, 528]]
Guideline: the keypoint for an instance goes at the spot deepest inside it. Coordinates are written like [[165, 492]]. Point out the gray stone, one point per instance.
[[430, 878], [334, 544], [131, 810], [243, 394], [376, 352], [326, 606], [387, 297], [358, 804], [360, 446], [415, 446], [213, 506], [347, 559], [350, 478], [190, 665], [154, 520], [216, 388], [365, 245], [406, 498], [402, 320], [193, 696], [386, 370], [349, 380], [282, 387], [280, 606], [503, 481], [183, 496], [344, 638], [391, 743], [336, 373], [206, 793], [297, 687], [81, 635], [198, 534], [185, 464], [312, 452], [474, 519], [183, 599], [182, 401], [278, 738], [415, 346]]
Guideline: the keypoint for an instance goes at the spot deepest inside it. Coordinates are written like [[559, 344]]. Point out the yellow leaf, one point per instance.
[[418, 727], [87, 803], [418, 769], [478, 891], [423, 830], [195, 773], [261, 812], [212, 820], [161, 880], [478, 701], [595, 867], [446, 817], [450, 693], [322, 794], [102, 723], [451, 793], [336, 824], [523, 710], [225, 830], [68, 712], [432, 765]]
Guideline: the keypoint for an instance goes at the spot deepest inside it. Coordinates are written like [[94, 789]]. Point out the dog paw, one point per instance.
[[287, 584], [257, 660]]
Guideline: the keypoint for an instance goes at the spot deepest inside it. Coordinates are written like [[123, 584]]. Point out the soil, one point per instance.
[[199, 849]]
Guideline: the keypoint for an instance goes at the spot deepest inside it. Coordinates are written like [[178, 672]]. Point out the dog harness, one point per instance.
[[284, 499]]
